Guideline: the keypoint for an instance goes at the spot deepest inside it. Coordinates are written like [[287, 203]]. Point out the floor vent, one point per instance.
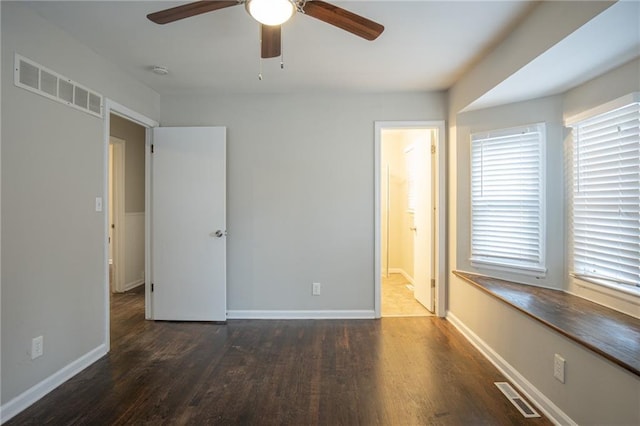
[[513, 396], [34, 77]]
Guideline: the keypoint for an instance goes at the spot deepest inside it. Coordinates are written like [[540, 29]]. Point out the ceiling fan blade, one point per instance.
[[187, 10], [271, 41], [344, 19]]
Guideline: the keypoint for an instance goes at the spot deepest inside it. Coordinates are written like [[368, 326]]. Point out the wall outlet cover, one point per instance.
[[37, 347], [558, 368]]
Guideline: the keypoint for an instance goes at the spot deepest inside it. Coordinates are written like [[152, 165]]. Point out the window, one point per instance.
[[605, 204], [507, 193]]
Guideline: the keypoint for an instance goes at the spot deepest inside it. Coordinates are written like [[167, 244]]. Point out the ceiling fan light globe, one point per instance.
[[270, 12]]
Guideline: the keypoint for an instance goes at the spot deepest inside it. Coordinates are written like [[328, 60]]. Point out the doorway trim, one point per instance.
[[118, 246], [439, 173], [112, 107]]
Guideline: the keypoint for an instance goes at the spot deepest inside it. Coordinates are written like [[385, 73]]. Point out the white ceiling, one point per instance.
[[426, 45], [609, 40]]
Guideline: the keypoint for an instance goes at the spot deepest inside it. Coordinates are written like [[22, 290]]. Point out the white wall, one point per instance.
[[134, 250], [394, 143], [612, 85], [300, 192], [53, 162], [1, 213], [134, 136], [546, 25]]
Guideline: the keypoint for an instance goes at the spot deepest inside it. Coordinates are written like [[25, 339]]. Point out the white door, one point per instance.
[[422, 241], [188, 223]]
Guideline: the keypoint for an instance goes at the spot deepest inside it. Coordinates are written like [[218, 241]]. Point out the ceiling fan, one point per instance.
[[271, 14]]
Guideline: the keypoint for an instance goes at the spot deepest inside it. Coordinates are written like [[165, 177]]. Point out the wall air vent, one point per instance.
[[520, 403], [38, 79]]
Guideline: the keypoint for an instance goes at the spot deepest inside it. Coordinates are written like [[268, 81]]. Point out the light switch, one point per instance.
[[98, 204]]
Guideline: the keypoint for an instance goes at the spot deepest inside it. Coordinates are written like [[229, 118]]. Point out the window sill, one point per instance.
[[609, 333], [530, 271], [622, 292]]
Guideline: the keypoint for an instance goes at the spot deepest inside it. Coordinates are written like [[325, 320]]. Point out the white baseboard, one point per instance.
[[403, 273], [33, 394], [363, 314], [133, 284], [553, 413]]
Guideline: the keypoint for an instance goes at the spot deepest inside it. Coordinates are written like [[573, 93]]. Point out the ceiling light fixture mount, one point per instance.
[[270, 12]]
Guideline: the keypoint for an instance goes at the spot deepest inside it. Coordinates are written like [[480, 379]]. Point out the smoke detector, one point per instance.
[[160, 70]]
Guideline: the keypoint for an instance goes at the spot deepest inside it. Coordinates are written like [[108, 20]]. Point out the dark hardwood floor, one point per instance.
[[394, 371]]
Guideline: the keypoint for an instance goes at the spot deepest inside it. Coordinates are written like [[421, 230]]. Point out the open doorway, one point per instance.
[[409, 220], [127, 141], [406, 222], [126, 204]]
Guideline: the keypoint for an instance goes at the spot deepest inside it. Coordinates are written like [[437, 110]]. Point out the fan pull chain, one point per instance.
[[260, 49], [281, 47]]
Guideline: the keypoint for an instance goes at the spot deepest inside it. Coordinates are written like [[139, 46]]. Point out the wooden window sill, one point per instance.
[[607, 332]]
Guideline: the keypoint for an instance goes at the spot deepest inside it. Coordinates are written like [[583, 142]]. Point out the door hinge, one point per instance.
[[152, 148], [433, 283], [151, 287], [433, 149]]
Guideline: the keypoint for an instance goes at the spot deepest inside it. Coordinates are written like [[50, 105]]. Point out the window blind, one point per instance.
[[507, 189], [605, 207]]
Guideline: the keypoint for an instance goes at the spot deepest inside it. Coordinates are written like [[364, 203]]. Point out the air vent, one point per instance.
[[37, 79], [520, 403]]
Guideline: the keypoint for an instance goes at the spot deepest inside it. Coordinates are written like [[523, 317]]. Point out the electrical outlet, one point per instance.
[[37, 347], [315, 289], [558, 368]]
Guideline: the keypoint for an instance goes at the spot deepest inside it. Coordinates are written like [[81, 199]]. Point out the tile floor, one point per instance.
[[398, 300]]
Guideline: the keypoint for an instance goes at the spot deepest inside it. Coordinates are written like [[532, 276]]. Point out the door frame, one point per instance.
[[112, 107], [439, 176], [118, 179]]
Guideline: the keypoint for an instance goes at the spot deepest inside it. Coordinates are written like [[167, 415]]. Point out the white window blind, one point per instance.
[[507, 193], [605, 207]]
